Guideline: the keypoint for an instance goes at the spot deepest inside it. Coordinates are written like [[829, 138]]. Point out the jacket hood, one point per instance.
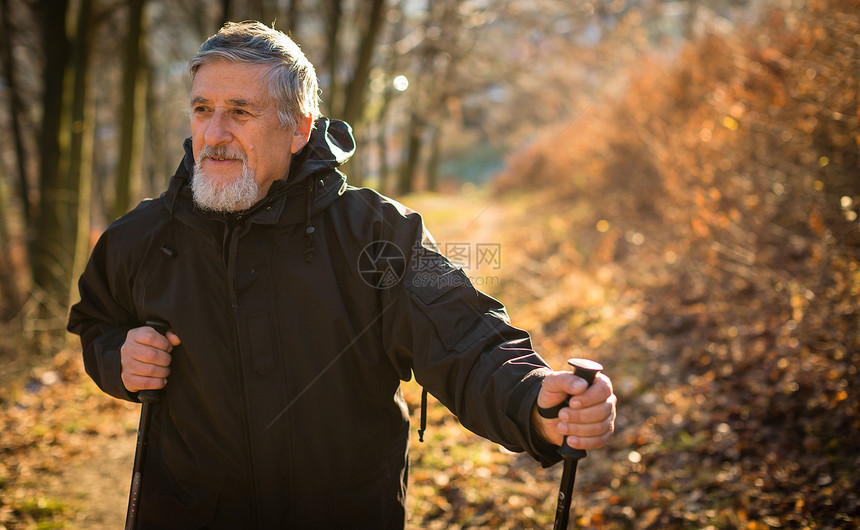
[[331, 144]]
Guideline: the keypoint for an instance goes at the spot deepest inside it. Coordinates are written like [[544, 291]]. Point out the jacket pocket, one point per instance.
[[454, 308], [260, 339]]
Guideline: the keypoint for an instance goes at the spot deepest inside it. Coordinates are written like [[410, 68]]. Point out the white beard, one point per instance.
[[235, 196]]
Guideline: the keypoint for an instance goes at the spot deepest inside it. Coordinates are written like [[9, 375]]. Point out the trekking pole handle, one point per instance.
[[150, 396], [586, 369]]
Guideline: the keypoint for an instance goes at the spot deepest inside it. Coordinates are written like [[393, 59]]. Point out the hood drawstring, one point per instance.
[[309, 228], [167, 247]]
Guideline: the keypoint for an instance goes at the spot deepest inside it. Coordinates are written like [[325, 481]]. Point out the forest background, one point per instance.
[[673, 186]]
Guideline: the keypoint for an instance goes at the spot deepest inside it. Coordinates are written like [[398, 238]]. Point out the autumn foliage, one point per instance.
[[720, 197]]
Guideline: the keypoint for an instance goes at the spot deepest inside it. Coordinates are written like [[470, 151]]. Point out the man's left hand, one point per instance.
[[588, 420]]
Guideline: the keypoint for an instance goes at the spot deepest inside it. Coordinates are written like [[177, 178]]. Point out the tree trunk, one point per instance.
[[256, 11], [406, 182], [433, 159], [15, 108], [81, 152], [391, 64], [158, 167], [291, 24], [133, 113], [335, 14], [66, 150], [226, 12], [355, 93], [50, 242], [382, 146], [10, 299]]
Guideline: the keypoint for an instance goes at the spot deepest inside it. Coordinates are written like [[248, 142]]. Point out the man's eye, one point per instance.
[[199, 109], [241, 112]]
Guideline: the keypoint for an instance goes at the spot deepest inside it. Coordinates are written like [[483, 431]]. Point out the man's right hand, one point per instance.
[[145, 358]]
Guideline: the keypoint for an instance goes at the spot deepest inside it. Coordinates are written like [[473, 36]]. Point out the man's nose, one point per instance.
[[218, 129]]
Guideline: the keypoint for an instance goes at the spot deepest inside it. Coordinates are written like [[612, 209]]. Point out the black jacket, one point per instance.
[[298, 319]]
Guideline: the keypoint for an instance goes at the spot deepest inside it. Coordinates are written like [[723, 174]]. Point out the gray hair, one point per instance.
[[291, 78]]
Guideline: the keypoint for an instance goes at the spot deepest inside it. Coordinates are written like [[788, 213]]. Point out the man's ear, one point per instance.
[[302, 134]]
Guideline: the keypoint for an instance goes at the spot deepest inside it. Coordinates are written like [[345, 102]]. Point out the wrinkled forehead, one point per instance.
[[241, 84]]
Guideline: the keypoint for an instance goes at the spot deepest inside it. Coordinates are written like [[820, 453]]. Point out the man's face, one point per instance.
[[234, 125]]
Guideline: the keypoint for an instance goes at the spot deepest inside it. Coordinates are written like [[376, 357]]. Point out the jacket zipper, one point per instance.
[[232, 245]]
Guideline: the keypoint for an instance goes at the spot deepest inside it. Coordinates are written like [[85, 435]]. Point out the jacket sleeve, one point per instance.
[[103, 317], [462, 346]]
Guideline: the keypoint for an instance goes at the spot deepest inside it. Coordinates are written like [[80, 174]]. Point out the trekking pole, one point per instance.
[[147, 398], [585, 369]]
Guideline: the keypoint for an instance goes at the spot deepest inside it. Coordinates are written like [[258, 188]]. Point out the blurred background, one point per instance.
[[95, 94], [673, 186]]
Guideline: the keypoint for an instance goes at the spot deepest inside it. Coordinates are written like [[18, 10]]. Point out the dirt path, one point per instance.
[[97, 488], [467, 227], [469, 216], [67, 450]]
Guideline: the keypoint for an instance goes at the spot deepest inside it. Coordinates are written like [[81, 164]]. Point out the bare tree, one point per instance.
[[291, 22], [132, 110], [357, 88], [61, 228], [226, 12], [408, 169], [81, 148], [333, 14], [431, 60], [15, 107], [158, 165], [49, 245]]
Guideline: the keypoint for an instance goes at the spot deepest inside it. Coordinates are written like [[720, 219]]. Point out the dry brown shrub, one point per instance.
[[739, 163]]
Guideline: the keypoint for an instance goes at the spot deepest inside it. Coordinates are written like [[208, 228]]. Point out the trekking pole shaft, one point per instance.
[[137, 473], [147, 398], [587, 370], [565, 494]]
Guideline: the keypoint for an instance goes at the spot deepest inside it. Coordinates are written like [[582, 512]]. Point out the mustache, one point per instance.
[[220, 151]]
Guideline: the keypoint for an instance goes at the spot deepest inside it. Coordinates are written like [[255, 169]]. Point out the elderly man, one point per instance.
[[296, 307]]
